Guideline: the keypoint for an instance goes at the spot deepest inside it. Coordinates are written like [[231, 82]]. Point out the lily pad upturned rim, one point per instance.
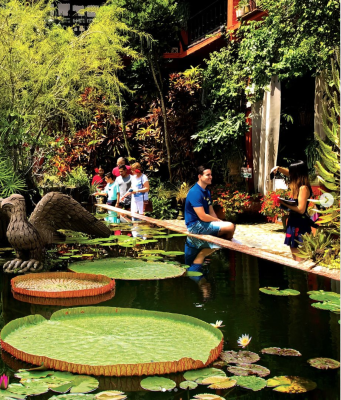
[[118, 271], [67, 302], [108, 284], [127, 369]]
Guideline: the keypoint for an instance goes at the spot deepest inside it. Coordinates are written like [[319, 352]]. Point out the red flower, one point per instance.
[[96, 170], [296, 231]]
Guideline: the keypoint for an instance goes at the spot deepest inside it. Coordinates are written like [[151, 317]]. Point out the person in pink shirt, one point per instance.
[[98, 180], [120, 161]]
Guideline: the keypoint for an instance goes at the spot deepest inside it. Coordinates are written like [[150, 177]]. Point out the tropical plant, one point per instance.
[[233, 202], [10, 181], [314, 247], [329, 150], [181, 192], [78, 178]]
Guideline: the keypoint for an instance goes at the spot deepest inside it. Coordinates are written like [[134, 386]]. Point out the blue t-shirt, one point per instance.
[[196, 197]]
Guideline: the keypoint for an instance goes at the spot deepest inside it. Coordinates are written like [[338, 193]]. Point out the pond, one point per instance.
[[228, 290]]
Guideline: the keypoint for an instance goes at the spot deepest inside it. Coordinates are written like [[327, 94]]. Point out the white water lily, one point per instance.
[[244, 340], [218, 324]]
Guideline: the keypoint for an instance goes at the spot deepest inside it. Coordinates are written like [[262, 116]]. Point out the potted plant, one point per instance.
[[180, 194], [242, 8], [271, 206], [233, 203]]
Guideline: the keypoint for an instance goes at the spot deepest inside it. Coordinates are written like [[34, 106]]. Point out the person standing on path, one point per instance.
[[299, 221], [120, 161], [200, 217], [98, 180], [124, 184], [139, 189], [112, 192]]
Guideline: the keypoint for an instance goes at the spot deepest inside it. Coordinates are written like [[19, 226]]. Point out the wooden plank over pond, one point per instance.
[[307, 266]]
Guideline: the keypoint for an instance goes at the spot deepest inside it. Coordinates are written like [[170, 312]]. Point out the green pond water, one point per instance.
[[228, 291]]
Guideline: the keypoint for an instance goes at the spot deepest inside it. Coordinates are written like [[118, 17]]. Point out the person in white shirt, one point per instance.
[[140, 189]]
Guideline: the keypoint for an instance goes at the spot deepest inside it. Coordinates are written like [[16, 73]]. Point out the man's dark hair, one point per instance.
[[110, 175], [122, 167], [201, 170]]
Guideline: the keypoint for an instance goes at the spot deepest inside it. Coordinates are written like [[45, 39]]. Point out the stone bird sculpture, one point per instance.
[[29, 237]]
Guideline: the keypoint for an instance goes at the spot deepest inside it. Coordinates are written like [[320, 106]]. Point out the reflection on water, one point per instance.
[[227, 290]]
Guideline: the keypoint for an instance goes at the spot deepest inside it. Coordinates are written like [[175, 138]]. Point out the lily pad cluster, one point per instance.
[[274, 291], [33, 383], [326, 300], [107, 395]]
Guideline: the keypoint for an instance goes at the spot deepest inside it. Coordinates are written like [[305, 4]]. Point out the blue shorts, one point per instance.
[[205, 228]]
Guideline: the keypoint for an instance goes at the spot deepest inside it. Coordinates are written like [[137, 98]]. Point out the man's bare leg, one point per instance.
[[227, 230]]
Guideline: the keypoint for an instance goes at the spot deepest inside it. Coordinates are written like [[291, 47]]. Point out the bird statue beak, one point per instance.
[[5, 202]]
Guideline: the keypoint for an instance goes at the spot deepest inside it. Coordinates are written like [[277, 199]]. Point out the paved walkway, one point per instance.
[[259, 240]]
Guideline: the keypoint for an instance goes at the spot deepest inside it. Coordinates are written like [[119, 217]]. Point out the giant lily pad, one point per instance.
[[68, 340], [277, 351], [62, 285], [250, 382], [128, 269], [324, 363], [276, 292], [157, 384], [199, 375], [240, 357], [291, 384], [248, 369]]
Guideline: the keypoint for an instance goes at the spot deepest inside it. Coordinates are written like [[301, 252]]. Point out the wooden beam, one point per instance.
[[307, 266]]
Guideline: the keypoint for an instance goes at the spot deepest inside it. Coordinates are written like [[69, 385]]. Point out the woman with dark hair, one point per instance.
[[98, 179], [112, 191], [298, 222]]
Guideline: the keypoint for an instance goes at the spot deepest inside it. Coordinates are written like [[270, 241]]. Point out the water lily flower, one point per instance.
[[218, 324], [3, 382], [244, 340]]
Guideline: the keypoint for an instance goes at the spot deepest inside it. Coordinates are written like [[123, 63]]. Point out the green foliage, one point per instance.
[[45, 68], [314, 247], [10, 181], [78, 178], [329, 150], [161, 195], [294, 38]]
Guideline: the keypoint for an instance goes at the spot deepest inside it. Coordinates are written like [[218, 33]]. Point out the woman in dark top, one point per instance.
[[298, 222]]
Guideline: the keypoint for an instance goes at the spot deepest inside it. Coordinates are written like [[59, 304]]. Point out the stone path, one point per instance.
[[259, 240]]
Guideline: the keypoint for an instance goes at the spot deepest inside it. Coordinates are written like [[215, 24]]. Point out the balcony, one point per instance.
[[207, 21]]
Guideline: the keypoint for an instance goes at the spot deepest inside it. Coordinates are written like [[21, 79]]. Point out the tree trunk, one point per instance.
[[164, 113], [126, 144]]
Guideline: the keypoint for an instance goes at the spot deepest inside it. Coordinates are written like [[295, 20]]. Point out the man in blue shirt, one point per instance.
[[200, 217]]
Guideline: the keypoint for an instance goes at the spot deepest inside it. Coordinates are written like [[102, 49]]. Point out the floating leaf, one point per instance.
[[157, 384], [26, 374], [248, 369], [329, 300], [84, 384], [188, 385], [250, 382], [156, 251], [276, 292], [219, 382], [73, 332], [28, 389], [77, 396], [173, 253], [152, 258], [193, 273], [324, 363], [277, 351], [110, 395], [200, 374], [240, 357], [128, 268], [329, 306], [208, 396], [219, 364], [6, 395], [291, 384]]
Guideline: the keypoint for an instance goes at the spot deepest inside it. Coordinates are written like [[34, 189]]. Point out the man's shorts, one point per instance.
[[205, 228]]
